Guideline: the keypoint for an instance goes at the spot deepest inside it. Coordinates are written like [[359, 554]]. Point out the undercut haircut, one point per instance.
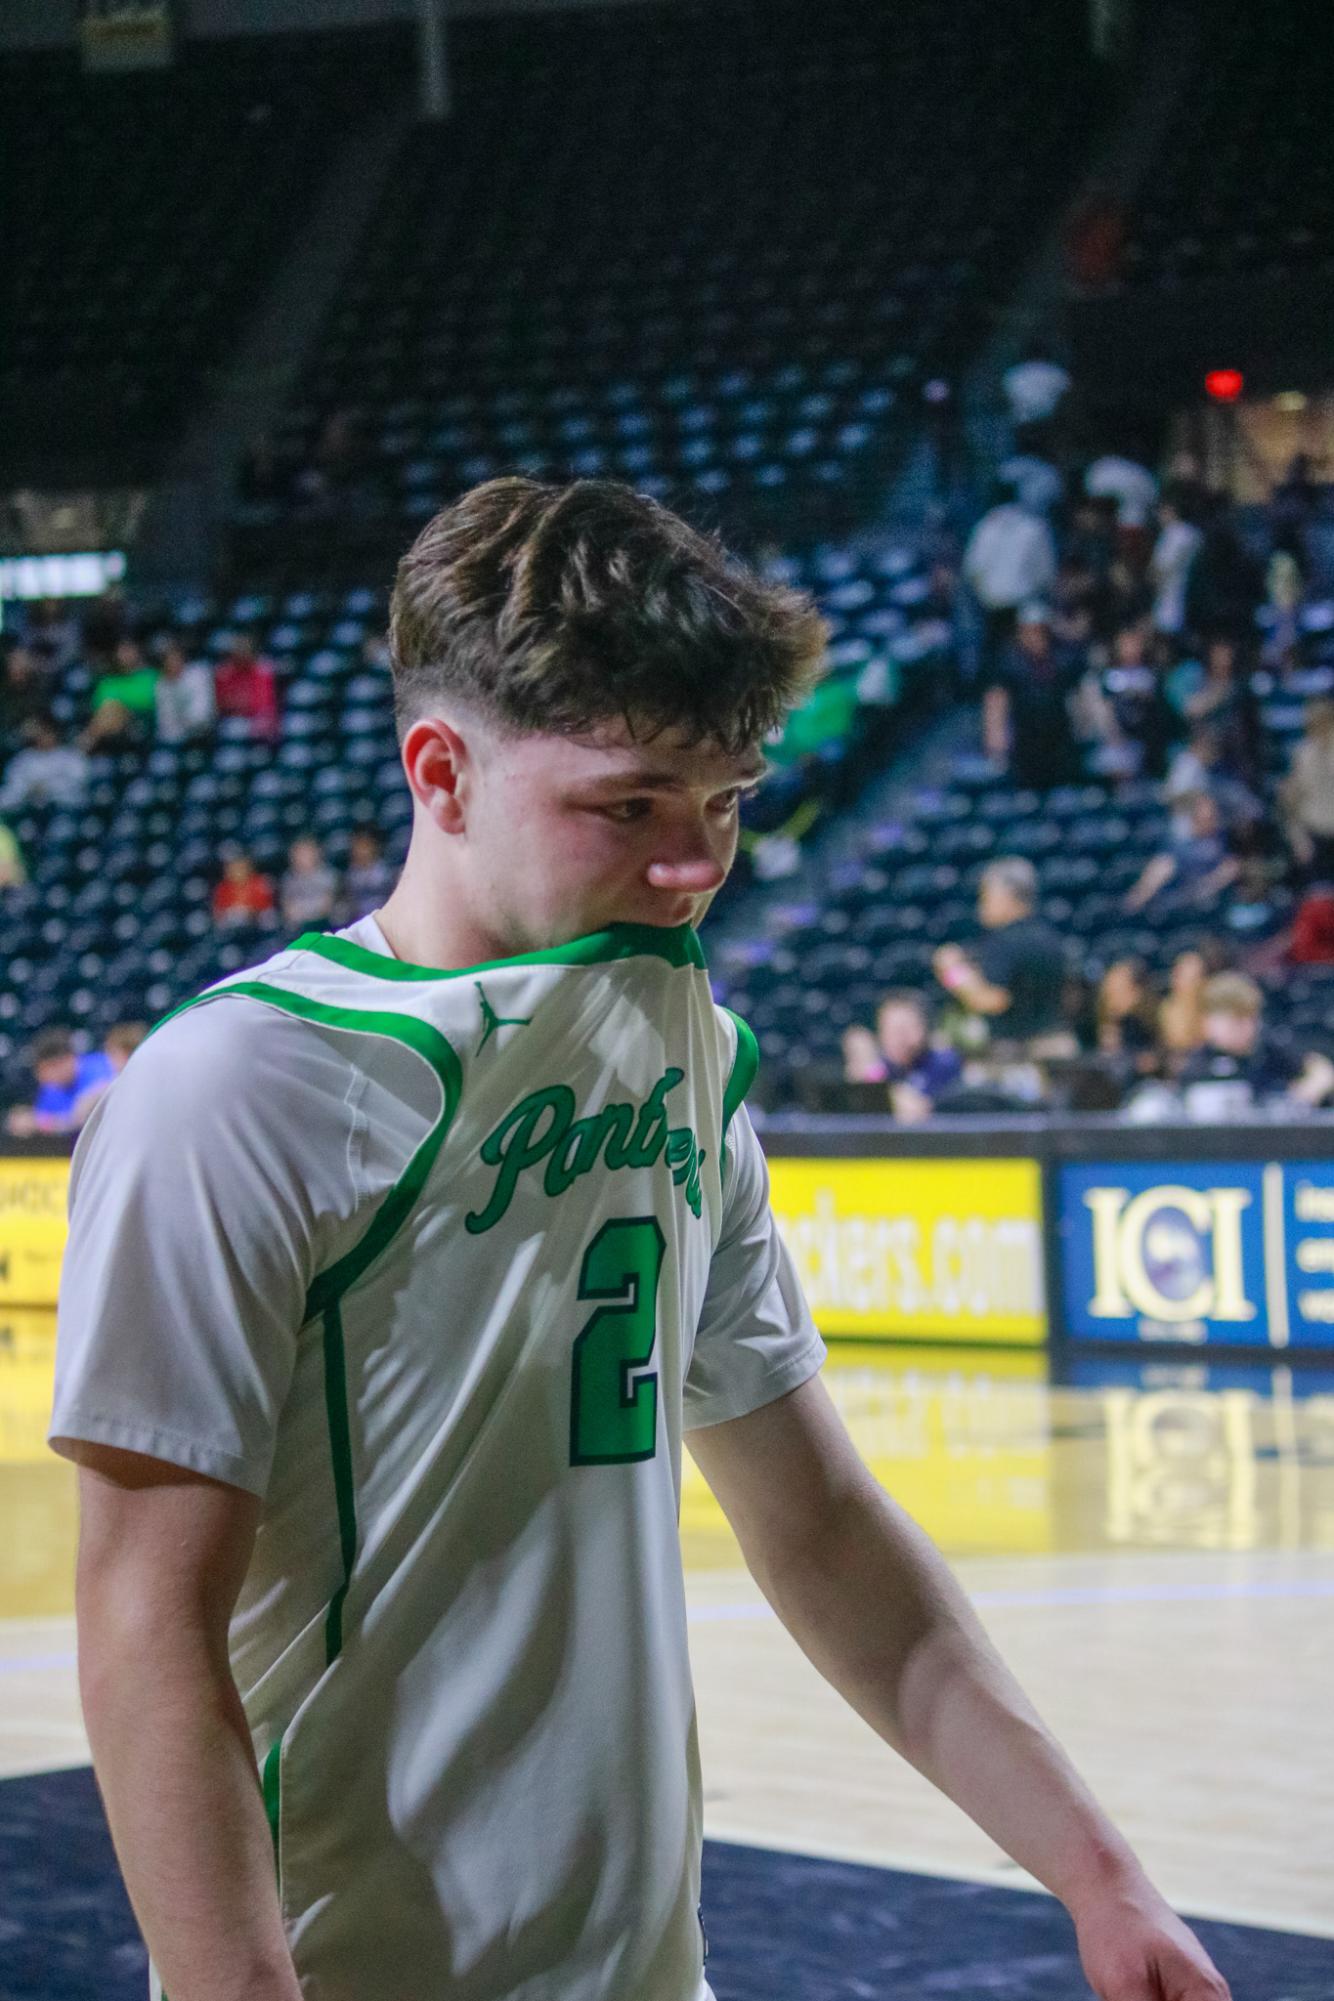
[[554, 609]]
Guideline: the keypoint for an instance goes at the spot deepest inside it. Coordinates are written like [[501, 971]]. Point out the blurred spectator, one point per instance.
[[1200, 766], [862, 1061], [1293, 506], [1124, 1018], [1238, 1067], [1026, 710], [1179, 543], [244, 894], [1014, 977], [25, 691], [1306, 796], [1217, 692], [1225, 582], [1197, 859], [52, 633], [309, 888], [336, 469], [1010, 557], [1284, 590], [1035, 388], [187, 709], [1181, 1011], [246, 684], [13, 868], [918, 1074], [47, 772], [367, 879], [68, 1084], [1133, 716], [124, 700], [1134, 490], [1312, 939]]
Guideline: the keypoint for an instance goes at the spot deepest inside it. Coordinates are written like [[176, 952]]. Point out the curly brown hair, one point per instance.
[[556, 608]]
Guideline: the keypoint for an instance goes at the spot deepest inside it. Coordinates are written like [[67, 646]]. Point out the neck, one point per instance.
[[428, 926]]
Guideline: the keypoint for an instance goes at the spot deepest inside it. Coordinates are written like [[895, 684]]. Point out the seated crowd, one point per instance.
[[1011, 1023]]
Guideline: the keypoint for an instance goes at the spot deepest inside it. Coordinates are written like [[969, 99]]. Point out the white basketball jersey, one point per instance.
[[441, 1264]]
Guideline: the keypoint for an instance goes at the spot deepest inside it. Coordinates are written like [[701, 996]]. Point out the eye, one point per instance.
[[624, 810]]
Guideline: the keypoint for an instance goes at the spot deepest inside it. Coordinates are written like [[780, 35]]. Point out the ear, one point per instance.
[[439, 769]]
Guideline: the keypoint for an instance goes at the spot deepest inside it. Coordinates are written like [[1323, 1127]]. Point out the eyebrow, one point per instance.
[[667, 781]]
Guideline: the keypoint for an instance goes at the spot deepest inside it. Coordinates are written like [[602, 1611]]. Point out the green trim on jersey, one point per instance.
[[419, 1036], [328, 1287], [678, 944], [744, 1065]]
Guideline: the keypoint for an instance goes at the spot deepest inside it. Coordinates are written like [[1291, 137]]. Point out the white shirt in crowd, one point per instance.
[[1010, 556], [1034, 390], [187, 704], [1169, 569], [36, 777], [1131, 485]]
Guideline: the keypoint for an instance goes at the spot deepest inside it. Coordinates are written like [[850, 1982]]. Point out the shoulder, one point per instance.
[[231, 1057]]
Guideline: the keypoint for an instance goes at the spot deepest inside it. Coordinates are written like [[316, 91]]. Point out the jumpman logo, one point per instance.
[[494, 1020]]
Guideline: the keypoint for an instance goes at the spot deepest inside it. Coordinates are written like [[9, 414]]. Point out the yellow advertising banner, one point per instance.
[[922, 1249], [33, 1195]]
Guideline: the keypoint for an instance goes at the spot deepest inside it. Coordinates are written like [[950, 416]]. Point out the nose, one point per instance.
[[696, 876]]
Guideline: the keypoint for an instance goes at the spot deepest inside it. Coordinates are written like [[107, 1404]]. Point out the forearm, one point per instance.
[[175, 1765], [879, 1613]]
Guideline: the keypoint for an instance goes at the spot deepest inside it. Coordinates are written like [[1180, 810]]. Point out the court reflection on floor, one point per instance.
[[991, 1458]]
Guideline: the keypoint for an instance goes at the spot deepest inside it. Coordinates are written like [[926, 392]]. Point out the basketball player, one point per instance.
[[398, 1266]]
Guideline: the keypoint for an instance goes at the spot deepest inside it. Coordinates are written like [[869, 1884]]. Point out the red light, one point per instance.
[[1224, 385]]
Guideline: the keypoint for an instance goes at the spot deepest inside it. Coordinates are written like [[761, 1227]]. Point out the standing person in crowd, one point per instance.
[[368, 878], [187, 708], [1225, 582], [1306, 796], [1176, 549], [1216, 693], [1237, 1066], [246, 684], [1134, 491], [244, 895], [1013, 977], [309, 887], [124, 702], [1027, 722], [1010, 557], [45, 772]]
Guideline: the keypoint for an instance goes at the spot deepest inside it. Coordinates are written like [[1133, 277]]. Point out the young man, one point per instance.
[[398, 1266]]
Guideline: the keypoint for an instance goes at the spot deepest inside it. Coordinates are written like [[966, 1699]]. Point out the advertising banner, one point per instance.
[[33, 1195], [1228, 1252], [920, 1249]]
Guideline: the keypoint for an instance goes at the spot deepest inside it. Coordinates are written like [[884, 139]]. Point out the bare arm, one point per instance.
[[162, 1555], [872, 1603]]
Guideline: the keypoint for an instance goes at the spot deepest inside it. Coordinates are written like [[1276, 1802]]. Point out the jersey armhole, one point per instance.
[[745, 1063]]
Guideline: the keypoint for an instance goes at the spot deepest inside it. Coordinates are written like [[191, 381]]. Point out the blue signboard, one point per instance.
[[1232, 1252]]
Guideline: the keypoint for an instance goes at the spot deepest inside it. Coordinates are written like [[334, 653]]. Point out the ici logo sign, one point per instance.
[[1169, 1254]]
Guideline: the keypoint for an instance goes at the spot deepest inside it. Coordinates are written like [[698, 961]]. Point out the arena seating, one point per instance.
[[555, 285], [144, 214], [116, 919]]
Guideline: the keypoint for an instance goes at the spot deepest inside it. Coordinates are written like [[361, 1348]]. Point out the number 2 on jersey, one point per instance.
[[613, 1402]]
